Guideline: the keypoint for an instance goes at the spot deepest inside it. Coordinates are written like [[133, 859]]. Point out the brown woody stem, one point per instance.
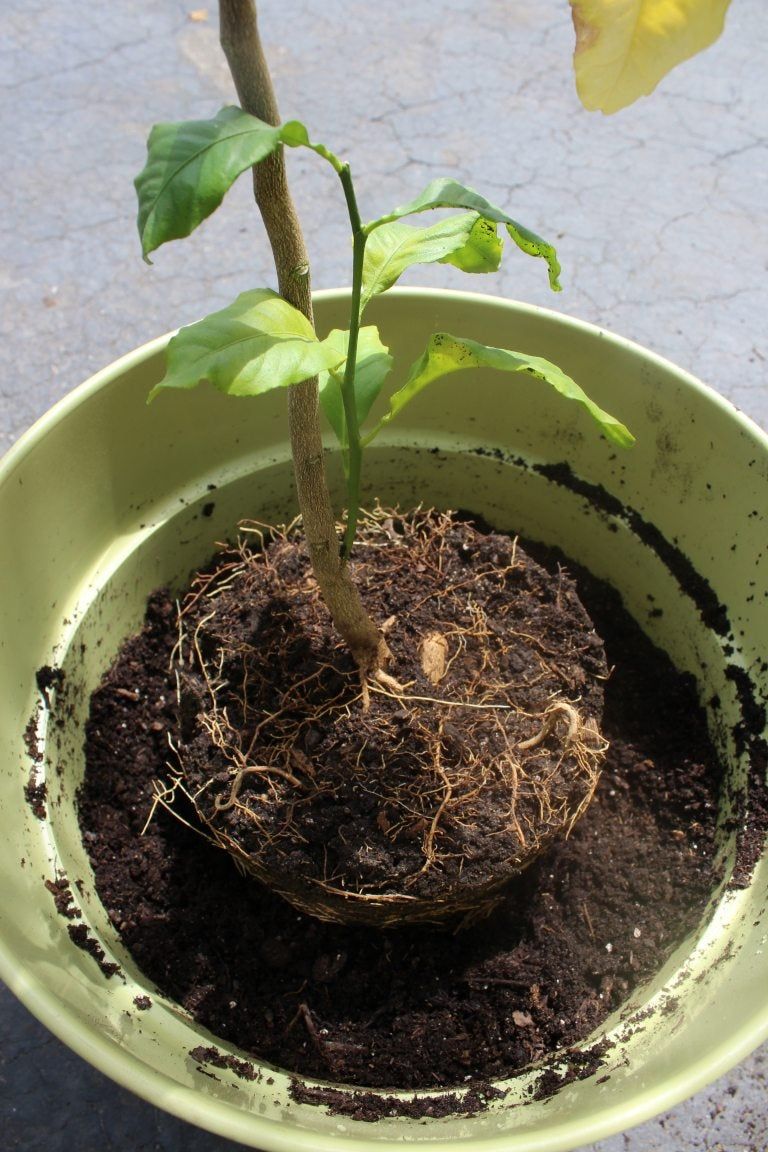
[[239, 35]]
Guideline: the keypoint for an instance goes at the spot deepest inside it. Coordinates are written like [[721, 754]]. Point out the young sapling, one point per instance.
[[266, 340]]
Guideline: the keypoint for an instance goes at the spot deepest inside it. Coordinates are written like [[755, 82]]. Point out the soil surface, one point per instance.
[[389, 801], [413, 1007]]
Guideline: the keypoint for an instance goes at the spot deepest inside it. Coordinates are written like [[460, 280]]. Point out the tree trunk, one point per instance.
[[242, 47]]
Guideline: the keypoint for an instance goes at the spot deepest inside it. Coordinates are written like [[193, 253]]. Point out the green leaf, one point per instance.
[[445, 354], [443, 193], [295, 135], [372, 366], [257, 343], [190, 166], [394, 247]]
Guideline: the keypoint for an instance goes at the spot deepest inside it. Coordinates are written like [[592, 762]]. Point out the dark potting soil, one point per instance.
[[414, 1007]]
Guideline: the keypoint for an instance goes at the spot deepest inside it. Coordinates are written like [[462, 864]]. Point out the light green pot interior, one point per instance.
[[102, 502]]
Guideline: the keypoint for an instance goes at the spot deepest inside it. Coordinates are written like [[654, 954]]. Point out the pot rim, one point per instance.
[[185, 1102]]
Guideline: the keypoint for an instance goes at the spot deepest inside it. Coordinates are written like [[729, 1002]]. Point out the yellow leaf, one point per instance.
[[625, 47]]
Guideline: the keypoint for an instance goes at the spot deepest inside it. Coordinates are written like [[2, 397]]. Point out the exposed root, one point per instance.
[[367, 680], [551, 717], [164, 796], [262, 769], [429, 840], [382, 677], [498, 762]]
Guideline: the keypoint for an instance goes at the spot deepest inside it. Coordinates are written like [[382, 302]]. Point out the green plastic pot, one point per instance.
[[101, 502]]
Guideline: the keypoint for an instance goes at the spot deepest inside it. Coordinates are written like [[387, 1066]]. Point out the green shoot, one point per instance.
[[261, 342]]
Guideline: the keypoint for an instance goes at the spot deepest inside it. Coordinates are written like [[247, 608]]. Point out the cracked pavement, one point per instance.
[[659, 215]]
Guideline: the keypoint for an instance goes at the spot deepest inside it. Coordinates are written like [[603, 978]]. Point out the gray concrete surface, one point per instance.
[[659, 215]]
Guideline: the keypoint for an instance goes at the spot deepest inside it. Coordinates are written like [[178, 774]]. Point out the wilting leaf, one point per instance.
[[467, 240], [190, 167], [625, 47], [257, 343], [443, 193], [372, 367], [482, 251], [445, 354]]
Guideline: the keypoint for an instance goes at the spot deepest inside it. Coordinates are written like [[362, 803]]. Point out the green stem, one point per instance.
[[354, 445], [352, 448]]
